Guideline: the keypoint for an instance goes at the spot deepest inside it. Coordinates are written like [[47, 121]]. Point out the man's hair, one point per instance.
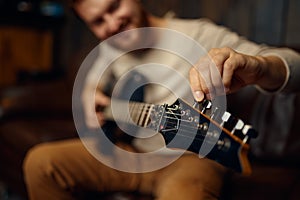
[[72, 2], [76, 1]]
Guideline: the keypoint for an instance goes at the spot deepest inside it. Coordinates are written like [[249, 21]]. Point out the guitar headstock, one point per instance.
[[212, 133]]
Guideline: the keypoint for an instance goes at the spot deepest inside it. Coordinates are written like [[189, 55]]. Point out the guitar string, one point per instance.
[[191, 132], [138, 111], [175, 114], [149, 113], [171, 123], [148, 106], [147, 110]]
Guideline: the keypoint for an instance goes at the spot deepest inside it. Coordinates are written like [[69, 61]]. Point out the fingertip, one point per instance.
[[199, 96], [227, 90]]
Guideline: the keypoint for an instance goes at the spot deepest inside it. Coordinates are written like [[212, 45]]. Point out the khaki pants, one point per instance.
[[65, 169]]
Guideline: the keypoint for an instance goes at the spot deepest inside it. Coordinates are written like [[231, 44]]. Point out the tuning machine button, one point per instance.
[[203, 106], [196, 104], [250, 131], [228, 121], [238, 129], [216, 114]]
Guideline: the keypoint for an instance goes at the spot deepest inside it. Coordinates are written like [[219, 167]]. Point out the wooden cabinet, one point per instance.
[[24, 49]]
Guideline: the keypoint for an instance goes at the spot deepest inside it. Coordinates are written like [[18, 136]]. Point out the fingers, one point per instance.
[[93, 104], [226, 60], [100, 118], [201, 79], [196, 85], [101, 100], [222, 71], [206, 75], [218, 59], [228, 72]]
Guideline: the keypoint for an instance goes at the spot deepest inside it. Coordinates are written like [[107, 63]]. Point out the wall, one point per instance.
[[273, 22]]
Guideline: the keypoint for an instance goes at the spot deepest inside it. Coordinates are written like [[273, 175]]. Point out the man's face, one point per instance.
[[106, 18]]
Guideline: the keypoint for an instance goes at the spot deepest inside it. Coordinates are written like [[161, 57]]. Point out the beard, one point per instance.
[[133, 35]]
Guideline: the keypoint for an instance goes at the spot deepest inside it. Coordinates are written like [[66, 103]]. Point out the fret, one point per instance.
[[142, 114], [147, 119], [134, 112]]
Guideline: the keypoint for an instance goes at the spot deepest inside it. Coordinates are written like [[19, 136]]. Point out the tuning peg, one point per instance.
[[238, 129], [225, 117], [196, 104], [238, 126], [205, 106], [250, 131], [216, 114], [229, 121]]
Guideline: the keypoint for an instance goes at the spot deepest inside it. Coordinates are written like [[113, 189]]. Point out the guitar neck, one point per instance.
[[135, 113], [184, 127]]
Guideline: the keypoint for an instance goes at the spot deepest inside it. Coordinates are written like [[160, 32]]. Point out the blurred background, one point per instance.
[[42, 44]]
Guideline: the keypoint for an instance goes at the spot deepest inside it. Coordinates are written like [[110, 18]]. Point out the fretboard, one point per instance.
[[140, 114]]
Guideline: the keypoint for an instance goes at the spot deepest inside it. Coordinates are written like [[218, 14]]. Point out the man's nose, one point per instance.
[[113, 23]]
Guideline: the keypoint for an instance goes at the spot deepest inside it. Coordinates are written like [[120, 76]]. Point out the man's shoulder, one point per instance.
[[179, 22], [193, 27]]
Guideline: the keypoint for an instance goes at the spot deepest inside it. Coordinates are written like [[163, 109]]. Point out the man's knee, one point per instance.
[[39, 161], [44, 168], [34, 157]]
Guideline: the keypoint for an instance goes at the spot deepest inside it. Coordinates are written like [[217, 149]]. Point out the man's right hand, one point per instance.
[[236, 70]]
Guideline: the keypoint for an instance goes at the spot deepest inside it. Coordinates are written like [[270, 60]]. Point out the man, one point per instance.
[[64, 170]]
